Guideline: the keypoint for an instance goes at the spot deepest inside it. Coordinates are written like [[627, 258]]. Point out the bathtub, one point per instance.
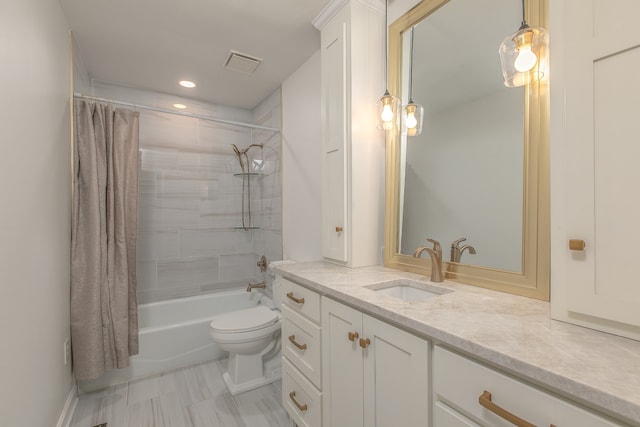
[[175, 333]]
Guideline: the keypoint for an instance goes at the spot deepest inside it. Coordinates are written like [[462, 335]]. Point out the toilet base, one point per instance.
[[238, 382]]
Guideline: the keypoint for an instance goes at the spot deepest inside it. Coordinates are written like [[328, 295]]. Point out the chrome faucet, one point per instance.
[[436, 259], [457, 250], [260, 285]]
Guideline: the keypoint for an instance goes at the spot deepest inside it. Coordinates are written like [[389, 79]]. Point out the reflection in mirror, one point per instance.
[[479, 170], [463, 176]]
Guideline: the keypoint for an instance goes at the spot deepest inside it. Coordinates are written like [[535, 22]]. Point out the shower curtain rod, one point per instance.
[[177, 113]]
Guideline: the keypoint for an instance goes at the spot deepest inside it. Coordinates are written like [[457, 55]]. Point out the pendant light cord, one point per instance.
[[524, 21], [411, 67], [386, 47]]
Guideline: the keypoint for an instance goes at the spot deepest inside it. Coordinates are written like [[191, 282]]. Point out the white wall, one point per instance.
[[397, 8], [35, 214], [302, 163]]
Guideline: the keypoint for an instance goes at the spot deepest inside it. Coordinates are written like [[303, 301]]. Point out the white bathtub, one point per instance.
[[175, 334]]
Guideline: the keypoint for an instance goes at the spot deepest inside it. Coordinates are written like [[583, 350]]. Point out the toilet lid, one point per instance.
[[244, 320]]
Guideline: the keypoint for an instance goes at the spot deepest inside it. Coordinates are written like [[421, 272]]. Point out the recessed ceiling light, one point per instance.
[[180, 106], [187, 83]]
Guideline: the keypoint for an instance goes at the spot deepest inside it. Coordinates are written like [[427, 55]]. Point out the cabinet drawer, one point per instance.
[[301, 344], [300, 398], [300, 299], [459, 382], [443, 415]]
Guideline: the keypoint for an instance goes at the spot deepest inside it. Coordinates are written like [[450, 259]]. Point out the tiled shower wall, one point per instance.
[[189, 200]]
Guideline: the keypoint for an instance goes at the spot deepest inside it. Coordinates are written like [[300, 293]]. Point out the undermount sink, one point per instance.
[[408, 290]]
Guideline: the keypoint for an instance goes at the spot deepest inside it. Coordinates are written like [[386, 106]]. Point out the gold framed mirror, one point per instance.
[[524, 237]]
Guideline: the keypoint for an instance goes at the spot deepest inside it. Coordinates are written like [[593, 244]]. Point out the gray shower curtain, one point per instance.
[[104, 317]]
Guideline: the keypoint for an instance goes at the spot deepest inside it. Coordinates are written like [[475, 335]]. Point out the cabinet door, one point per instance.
[[334, 134], [396, 376], [341, 365], [602, 90]]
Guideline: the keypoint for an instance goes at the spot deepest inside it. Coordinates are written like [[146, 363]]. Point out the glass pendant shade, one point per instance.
[[387, 112], [524, 56], [412, 118]]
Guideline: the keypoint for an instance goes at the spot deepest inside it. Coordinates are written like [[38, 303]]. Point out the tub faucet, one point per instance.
[[260, 285], [457, 250], [436, 259]]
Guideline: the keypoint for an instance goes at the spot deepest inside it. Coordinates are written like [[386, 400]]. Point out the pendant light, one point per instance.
[[412, 114], [524, 55], [388, 106]]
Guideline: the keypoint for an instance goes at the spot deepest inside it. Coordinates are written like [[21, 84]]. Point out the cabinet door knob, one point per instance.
[[353, 336], [292, 339], [485, 401], [364, 342], [294, 299], [292, 396], [338, 229], [577, 244]]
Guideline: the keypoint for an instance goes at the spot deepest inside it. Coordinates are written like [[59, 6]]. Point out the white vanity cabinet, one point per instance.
[[460, 384], [353, 149], [594, 170], [301, 354], [374, 374]]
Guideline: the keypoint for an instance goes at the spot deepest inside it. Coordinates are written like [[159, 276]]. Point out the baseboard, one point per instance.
[[69, 408]]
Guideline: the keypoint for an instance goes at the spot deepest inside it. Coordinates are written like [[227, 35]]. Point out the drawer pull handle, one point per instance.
[[292, 396], [292, 338], [353, 336], [485, 400], [364, 343], [294, 299], [577, 244], [338, 229]]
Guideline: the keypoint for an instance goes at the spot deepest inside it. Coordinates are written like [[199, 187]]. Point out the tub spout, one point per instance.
[[260, 285]]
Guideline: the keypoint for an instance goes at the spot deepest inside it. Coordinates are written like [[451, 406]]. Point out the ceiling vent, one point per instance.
[[242, 63]]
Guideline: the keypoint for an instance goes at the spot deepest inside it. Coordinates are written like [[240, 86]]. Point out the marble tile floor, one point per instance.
[[191, 397]]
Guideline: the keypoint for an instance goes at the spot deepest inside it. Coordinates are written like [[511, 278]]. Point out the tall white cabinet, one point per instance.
[[595, 153], [353, 149]]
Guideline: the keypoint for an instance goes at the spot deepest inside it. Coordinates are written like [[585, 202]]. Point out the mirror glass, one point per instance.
[[479, 170], [463, 176]]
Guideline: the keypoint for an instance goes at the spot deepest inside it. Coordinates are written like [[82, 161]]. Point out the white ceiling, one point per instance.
[[152, 44]]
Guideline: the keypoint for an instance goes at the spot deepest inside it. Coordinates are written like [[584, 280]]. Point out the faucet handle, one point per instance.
[[456, 243], [436, 244]]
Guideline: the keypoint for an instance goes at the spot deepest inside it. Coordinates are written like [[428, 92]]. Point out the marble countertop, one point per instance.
[[513, 333]]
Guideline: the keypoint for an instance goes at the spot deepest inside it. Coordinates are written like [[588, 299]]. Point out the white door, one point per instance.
[[341, 365], [396, 377], [602, 173]]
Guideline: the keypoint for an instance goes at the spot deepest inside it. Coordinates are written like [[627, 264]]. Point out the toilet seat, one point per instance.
[[247, 320]]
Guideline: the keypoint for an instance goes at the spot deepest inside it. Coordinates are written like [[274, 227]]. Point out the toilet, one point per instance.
[[252, 338]]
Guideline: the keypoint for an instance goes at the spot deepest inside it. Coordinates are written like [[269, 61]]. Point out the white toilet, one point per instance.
[[252, 338]]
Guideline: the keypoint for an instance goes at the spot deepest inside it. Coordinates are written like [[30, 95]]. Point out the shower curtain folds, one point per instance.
[[104, 323]]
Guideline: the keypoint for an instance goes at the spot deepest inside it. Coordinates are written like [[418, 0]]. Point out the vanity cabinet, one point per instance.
[[461, 384], [594, 169], [374, 374], [301, 354], [353, 149]]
